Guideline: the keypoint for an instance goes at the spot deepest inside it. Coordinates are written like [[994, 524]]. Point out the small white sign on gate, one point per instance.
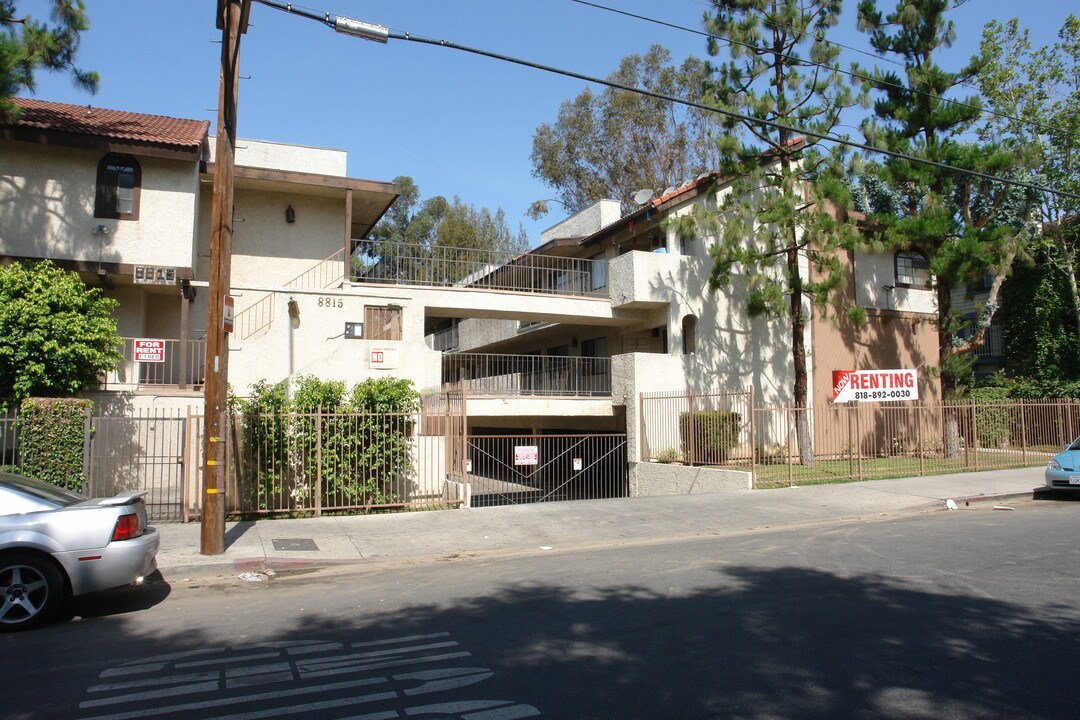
[[526, 455]]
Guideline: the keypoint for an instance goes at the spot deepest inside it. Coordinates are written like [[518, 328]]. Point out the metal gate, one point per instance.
[[141, 453], [512, 470]]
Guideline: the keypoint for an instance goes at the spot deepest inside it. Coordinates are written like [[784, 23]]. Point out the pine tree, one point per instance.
[[965, 226], [27, 44], [780, 226]]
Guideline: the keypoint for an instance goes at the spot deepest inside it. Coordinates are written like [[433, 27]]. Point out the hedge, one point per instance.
[[51, 436]]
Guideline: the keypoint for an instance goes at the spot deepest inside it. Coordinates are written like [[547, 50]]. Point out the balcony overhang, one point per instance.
[[370, 198]]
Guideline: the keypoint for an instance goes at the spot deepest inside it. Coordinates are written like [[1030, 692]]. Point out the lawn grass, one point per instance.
[[880, 468]]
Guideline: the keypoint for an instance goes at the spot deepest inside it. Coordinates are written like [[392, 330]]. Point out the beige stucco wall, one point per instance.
[[317, 346], [267, 250], [47, 208], [283, 156], [593, 218], [875, 274]]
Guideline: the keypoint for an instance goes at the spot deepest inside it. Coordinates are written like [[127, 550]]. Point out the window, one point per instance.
[[382, 323], [119, 180], [689, 335], [912, 269]]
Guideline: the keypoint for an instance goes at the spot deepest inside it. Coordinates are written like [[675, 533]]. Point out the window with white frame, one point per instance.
[[912, 269]]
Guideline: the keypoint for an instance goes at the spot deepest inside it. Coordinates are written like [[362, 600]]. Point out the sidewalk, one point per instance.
[[320, 542]]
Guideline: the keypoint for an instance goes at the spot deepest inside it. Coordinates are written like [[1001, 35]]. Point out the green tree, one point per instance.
[[411, 220], [965, 226], [56, 335], [1036, 98], [433, 240], [773, 228], [611, 144], [1037, 321], [463, 226], [27, 45]]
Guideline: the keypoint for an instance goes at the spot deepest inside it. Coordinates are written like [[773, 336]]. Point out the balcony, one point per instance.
[[181, 369], [528, 375], [404, 264]]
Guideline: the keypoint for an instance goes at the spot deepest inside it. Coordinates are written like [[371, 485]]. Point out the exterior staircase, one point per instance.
[[255, 319]]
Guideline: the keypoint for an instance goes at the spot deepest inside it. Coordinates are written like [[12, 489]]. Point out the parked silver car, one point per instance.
[[55, 543]]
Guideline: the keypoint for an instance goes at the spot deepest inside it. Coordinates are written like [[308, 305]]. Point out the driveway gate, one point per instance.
[[511, 470]]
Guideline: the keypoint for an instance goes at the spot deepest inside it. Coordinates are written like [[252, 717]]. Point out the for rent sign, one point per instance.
[[874, 385], [149, 351]]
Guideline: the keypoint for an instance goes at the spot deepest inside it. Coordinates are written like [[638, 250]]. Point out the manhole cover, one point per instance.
[[295, 544]]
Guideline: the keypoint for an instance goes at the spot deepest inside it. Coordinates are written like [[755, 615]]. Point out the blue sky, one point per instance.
[[458, 124]]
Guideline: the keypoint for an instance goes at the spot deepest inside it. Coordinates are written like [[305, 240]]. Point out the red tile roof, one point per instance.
[[129, 127]]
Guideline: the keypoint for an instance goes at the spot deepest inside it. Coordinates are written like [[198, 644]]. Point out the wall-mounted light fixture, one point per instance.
[[290, 215], [294, 312], [101, 230], [187, 291]]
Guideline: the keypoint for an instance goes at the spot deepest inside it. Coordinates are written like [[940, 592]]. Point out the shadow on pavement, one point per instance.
[[776, 642], [118, 601], [237, 531]]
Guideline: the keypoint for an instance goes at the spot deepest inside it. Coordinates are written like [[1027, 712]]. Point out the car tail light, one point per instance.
[[127, 527]]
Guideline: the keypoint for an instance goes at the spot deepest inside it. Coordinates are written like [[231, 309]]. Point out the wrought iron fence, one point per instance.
[[317, 462], [407, 264], [515, 375], [852, 441], [151, 452]]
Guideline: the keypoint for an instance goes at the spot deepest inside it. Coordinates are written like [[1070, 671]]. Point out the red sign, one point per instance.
[[149, 351], [228, 313], [874, 385]]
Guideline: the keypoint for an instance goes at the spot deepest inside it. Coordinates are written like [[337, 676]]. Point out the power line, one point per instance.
[[809, 63], [381, 34]]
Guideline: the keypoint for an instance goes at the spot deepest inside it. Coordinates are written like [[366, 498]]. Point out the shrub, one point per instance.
[[51, 437], [993, 421], [668, 456], [708, 436], [362, 438]]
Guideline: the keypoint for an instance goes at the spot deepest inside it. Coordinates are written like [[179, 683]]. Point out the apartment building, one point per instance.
[[564, 339]]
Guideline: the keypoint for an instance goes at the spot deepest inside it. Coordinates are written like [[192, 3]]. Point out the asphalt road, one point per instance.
[[967, 614]]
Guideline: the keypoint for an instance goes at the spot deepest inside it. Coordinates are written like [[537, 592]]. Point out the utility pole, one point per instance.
[[232, 18]]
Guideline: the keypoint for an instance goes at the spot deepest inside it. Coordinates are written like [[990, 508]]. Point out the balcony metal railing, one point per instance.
[[167, 372], [515, 375], [405, 264], [445, 339]]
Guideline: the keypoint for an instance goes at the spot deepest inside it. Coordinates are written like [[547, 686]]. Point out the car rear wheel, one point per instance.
[[31, 589]]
